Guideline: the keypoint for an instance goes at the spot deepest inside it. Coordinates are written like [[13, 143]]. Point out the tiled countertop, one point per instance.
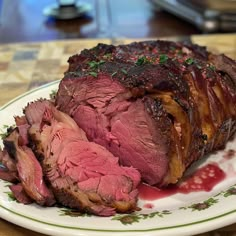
[[26, 66]]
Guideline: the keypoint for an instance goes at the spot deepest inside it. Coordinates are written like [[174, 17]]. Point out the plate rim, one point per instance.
[[211, 219], [4, 106]]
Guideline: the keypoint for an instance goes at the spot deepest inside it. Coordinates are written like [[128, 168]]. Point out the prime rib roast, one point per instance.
[[156, 105], [55, 162], [122, 114]]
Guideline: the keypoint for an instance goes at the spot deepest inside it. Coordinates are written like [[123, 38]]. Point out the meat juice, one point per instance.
[[203, 179]]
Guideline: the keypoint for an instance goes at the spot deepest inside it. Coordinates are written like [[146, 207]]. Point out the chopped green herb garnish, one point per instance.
[[4, 134], [95, 64], [94, 74], [53, 93], [114, 73], [198, 66], [141, 61], [212, 67], [92, 64], [124, 71], [163, 58], [11, 196], [189, 61]]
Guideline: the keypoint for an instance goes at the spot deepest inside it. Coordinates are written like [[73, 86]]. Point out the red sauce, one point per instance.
[[147, 192], [204, 179]]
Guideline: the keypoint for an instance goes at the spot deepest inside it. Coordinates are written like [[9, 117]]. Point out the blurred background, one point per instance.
[[30, 20]]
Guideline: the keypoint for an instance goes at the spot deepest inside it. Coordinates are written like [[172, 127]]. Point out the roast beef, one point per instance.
[[8, 170], [7, 175], [54, 159], [156, 105], [146, 111], [29, 170], [20, 194]]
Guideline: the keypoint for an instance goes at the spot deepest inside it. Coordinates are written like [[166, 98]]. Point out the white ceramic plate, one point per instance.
[[179, 214]]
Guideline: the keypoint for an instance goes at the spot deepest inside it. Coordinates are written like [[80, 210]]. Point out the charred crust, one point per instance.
[[10, 130], [185, 105], [120, 64], [9, 141], [10, 147], [155, 108]]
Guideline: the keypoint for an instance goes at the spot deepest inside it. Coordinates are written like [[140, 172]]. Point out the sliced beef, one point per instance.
[[53, 160], [29, 170], [23, 127], [20, 194], [7, 175], [81, 174], [122, 127], [8, 170], [156, 105], [7, 161]]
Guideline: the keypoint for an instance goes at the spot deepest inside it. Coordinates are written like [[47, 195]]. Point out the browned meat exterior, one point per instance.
[[8, 169], [29, 171], [157, 105], [20, 194]]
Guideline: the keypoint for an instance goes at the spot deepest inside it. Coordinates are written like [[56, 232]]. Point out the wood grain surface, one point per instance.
[[23, 21]]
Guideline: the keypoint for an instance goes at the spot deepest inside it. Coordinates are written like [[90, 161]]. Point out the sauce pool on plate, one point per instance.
[[203, 179]]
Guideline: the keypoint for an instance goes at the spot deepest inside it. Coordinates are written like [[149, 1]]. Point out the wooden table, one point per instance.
[[23, 20], [24, 66]]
